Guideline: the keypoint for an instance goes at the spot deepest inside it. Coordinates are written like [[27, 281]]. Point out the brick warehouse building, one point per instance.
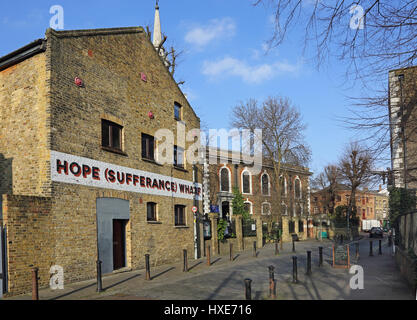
[[79, 176]]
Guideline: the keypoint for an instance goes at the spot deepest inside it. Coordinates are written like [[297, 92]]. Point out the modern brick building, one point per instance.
[[403, 126], [80, 177], [370, 205]]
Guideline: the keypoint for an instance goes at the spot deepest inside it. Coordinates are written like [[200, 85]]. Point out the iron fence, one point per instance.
[[249, 228]]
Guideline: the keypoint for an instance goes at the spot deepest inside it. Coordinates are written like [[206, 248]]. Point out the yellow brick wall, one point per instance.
[[24, 129], [30, 240], [66, 118]]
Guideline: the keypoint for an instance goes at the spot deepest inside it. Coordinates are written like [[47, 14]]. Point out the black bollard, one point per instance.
[[380, 247], [185, 269], [293, 245], [272, 290], [308, 263], [254, 249], [320, 256], [281, 244], [357, 250], [231, 252], [276, 247], [370, 248], [389, 241], [248, 290], [148, 267], [294, 269], [271, 272], [99, 279]]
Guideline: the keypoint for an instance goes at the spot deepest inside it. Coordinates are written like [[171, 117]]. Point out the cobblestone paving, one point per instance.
[[225, 279]]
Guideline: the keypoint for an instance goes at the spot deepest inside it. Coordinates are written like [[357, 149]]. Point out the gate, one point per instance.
[[2, 261]]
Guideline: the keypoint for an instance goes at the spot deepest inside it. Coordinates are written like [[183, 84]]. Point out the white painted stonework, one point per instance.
[[98, 174]]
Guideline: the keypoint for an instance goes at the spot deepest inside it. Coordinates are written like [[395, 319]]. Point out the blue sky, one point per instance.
[[224, 60]]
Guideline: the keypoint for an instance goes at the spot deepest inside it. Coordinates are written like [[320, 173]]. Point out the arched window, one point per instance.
[[225, 179], [265, 184], [266, 208], [284, 209], [299, 210], [246, 182], [297, 188], [248, 207], [283, 186]]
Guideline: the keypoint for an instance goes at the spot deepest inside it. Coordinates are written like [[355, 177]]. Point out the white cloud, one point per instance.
[[218, 28], [249, 74]]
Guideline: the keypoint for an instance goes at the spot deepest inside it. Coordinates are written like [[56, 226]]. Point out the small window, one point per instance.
[[283, 186], [297, 189], [300, 226], [111, 135], [299, 210], [179, 215], [178, 157], [177, 111], [151, 211], [224, 180], [291, 226], [148, 147], [266, 208], [265, 185], [246, 182], [248, 207]]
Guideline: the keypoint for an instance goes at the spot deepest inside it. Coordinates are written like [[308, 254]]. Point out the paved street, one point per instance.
[[225, 279]]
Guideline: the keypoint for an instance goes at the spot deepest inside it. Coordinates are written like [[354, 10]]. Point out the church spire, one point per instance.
[[157, 34]]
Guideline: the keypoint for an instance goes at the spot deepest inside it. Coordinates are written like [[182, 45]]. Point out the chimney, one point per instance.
[[380, 188]]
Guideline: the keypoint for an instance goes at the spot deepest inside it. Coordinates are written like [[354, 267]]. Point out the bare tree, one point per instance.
[[282, 134], [385, 37], [369, 36], [356, 166], [328, 182], [171, 57]]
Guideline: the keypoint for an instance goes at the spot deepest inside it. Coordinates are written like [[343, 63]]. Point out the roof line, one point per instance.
[[93, 32], [22, 54]]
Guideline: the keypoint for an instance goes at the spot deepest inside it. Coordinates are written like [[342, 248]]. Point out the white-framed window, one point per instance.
[[299, 210], [284, 209], [246, 179], [225, 179], [265, 184], [266, 208], [283, 186], [248, 206], [297, 188]]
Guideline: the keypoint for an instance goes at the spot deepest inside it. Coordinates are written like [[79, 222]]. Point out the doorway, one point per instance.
[[225, 210], [112, 217], [119, 244]]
